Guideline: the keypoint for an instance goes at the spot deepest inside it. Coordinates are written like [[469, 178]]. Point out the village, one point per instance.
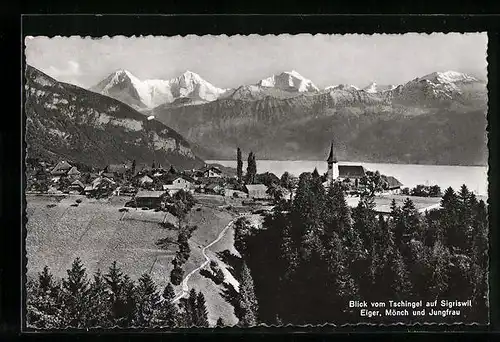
[[150, 187]]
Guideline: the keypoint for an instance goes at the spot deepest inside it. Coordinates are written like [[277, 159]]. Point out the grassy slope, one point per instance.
[[210, 221], [99, 234], [95, 233]]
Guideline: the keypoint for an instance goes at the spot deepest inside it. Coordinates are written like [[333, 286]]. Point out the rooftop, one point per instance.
[[256, 187], [149, 194], [351, 171]]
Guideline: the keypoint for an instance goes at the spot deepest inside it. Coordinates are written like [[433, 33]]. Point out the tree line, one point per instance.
[[316, 254], [109, 300]]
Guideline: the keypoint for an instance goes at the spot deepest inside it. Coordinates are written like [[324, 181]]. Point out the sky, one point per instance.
[[230, 61]]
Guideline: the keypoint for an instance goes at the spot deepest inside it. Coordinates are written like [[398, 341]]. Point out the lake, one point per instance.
[[475, 177]]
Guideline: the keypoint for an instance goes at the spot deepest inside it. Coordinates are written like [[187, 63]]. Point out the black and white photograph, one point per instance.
[[215, 181]]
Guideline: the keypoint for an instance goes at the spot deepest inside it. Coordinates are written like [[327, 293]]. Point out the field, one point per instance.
[[98, 233]]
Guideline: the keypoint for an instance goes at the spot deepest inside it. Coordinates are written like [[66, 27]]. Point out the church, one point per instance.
[[342, 173]]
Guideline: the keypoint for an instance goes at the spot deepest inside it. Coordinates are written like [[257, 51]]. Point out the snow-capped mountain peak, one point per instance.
[[289, 81], [448, 77], [341, 87], [124, 86], [373, 88]]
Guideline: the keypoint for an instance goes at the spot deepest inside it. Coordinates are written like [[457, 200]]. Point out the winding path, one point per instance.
[[184, 285]]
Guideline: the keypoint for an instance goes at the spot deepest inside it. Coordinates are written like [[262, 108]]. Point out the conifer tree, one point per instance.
[[147, 301], [340, 285], [129, 300], [99, 313], [288, 253], [395, 274], [132, 170], [114, 283], [45, 280], [438, 263], [480, 256], [191, 308], [411, 220], [449, 219], [239, 165], [466, 204], [248, 300], [44, 302], [75, 295], [201, 311], [365, 221], [251, 168], [168, 310], [337, 216]]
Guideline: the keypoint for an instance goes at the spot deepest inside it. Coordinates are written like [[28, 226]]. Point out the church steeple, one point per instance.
[[333, 168], [332, 158]]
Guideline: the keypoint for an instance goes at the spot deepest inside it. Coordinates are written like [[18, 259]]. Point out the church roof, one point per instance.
[[331, 157], [351, 171]]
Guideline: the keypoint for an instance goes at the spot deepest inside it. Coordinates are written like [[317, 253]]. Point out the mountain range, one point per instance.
[[439, 118], [64, 121]]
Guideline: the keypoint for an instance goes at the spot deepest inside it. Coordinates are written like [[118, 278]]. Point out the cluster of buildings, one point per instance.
[[148, 185]]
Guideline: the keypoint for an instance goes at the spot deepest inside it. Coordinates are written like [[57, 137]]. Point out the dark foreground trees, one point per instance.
[[108, 300], [320, 254]]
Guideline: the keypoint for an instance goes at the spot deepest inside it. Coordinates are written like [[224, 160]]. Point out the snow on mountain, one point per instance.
[[341, 87], [373, 88], [448, 77], [440, 86], [289, 81], [124, 86]]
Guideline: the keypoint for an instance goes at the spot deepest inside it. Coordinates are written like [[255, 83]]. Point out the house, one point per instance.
[[150, 199], [183, 182], [235, 193], [214, 188], [61, 168], [103, 185], [209, 172], [117, 170], [393, 185], [180, 182], [256, 191], [127, 190], [76, 187], [73, 173], [89, 190]]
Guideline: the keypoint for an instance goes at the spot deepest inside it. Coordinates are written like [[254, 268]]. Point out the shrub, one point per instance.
[[123, 210], [218, 276], [51, 205], [74, 205], [176, 275], [79, 200]]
